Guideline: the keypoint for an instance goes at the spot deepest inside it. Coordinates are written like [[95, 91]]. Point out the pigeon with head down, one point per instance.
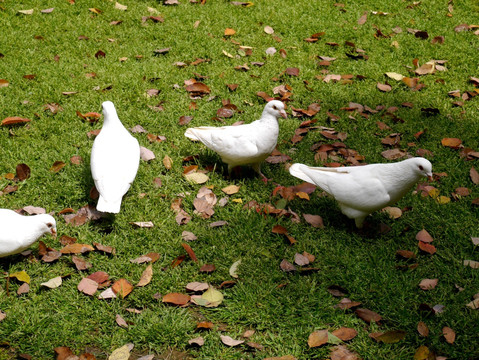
[[247, 144], [115, 157], [361, 190], [18, 232]]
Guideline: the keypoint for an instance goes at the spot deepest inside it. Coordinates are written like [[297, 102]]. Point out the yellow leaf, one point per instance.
[[229, 32], [167, 162], [21, 276], [239, 201], [394, 76], [197, 178], [26, 12], [213, 296], [228, 54], [434, 193], [231, 189], [395, 44], [302, 195], [120, 6], [122, 353], [95, 10], [146, 276], [443, 200], [152, 10]]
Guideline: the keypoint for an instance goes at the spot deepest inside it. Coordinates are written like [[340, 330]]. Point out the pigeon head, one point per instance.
[[108, 107], [422, 167], [47, 224], [275, 108]]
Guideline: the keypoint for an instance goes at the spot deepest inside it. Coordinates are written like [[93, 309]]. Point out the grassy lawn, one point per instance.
[[60, 49]]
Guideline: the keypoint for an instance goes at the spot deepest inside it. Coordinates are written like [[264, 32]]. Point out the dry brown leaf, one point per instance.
[[122, 288], [57, 166], [120, 321], [230, 341], [453, 143], [231, 189], [345, 333], [429, 248], [368, 315], [449, 334], [341, 352], [190, 251], [424, 236], [13, 120], [176, 299], [229, 32], [474, 175], [318, 338], [146, 276], [428, 284], [88, 286], [76, 248], [384, 87], [422, 329]]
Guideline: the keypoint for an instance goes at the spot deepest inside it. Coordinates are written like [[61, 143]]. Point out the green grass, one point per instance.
[[283, 317]]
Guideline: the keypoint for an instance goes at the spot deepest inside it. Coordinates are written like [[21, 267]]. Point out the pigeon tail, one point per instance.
[[189, 133], [297, 170], [109, 207]]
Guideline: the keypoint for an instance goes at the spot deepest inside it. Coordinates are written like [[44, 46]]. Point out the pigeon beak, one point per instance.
[[54, 232], [429, 177], [283, 114]]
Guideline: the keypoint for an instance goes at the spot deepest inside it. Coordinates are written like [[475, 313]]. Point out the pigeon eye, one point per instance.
[[274, 107], [49, 225], [421, 168]]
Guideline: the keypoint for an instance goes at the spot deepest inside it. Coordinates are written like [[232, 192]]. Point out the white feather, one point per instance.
[[18, 232], [115, 157], [247, 144], [361, 190]]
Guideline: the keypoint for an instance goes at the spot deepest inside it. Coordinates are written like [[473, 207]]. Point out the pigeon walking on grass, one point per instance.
[[361, 190], [18, 232], [115, 157], [247, 144]]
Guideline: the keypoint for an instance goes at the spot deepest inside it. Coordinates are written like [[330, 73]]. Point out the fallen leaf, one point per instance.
[[122, 353], [449, 334], [230, 341], [345, 333], [120, 321], [392, 336], [23, 289], [268, 30], [190, 251], [430, 249], [234, 268], [300, 259], [197, 286], [57, 166], [207, 325], [76, 248], [423, 353], [393, 212], [197, 341], [176, 299], [107, 294], [231, 189], [384, 87], [122, 288], [453, 143], [87, 286], [213, 297], [362, 20], [120, 6], [341, 352], [422, 329], [229, 32], [143, 224], [318, 338], [20, 276], [26, 12], [2, 315], [424, 236], [146, 276], [471, 263], [368, 315], [218, 223], [197, 178], [395, 76], [314, 220], [474, 175], [188, 236], [63, 353], [286, 266], [14, 120], [52, 283], [81, 264], [208, 268], [146, 154]]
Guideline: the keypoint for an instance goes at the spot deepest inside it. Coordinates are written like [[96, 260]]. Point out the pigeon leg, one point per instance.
[[359, 222], [257, 167]]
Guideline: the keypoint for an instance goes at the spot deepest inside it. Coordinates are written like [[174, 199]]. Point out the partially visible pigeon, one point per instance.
[[18, 232], [361, 190], [115, 157], [247, 144]]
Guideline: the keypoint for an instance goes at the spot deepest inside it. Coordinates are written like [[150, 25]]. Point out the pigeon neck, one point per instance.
[[267, 117]]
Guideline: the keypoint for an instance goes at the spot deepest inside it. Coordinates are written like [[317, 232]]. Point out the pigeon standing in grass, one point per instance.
[[247, 144], [18, 232], [361, 190], [115, 157]]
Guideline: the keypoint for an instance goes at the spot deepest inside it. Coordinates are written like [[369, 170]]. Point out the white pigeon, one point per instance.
[[115, 157], [18, 232], [247, 144], [361, 190]]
